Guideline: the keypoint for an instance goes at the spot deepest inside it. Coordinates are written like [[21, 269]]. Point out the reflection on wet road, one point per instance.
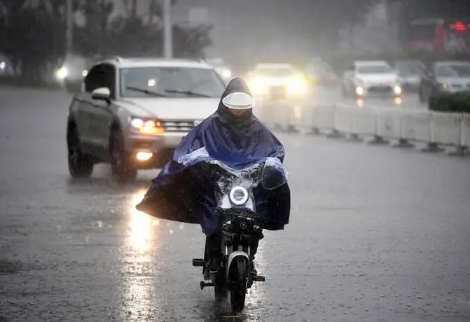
[[376, 234]]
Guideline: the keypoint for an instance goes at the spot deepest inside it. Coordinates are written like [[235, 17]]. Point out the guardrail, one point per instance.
[[405, 127]]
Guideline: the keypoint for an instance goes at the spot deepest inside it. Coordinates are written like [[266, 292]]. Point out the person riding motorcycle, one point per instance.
[[236, 137]]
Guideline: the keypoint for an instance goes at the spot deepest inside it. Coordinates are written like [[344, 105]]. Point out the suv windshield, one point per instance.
[[170, 82], [374, 69], [457, 70]]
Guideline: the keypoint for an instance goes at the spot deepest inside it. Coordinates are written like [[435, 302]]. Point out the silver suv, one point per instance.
[[133, 113]]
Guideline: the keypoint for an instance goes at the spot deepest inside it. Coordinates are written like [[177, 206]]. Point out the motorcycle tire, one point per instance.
[[239, 273]]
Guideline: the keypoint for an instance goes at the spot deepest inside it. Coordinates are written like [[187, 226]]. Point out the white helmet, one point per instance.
[[239, 101]]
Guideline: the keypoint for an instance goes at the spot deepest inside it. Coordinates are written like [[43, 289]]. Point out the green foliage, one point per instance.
[[37, 46], [453, 103]]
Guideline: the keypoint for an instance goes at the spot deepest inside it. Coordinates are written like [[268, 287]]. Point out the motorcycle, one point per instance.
[[239, 224]]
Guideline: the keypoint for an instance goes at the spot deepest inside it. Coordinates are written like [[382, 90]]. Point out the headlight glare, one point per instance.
[[227, 73], [146, 126], [137, 123], [297, 86], [360, 91], [259, 85], [61, 73]]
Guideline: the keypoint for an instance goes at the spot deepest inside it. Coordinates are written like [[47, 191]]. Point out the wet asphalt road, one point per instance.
[[376, 234]]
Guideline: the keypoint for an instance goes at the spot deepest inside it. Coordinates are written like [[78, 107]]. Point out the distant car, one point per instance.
[[6, 67], [277, 82], [221, 67], [450, 77], [320, 73], [133, 113], [368, 78], [72, 71]]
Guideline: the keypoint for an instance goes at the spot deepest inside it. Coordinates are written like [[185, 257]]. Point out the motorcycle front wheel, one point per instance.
[[239, 273], [237, 299], [220, 288]]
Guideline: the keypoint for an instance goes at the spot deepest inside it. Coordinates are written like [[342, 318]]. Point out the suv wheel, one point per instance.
[[121, 166], [80, 165]]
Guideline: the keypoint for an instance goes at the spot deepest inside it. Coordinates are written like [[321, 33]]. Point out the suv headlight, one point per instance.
[[146, 126], [297, 86], [239, 196], [259, 85]]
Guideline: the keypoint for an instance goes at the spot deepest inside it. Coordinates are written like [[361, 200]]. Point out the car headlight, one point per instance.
[[2, 65], [146, 126], [61, 73], [297, 86], [444, 86], [397, 89], [227, 73], [239, 196], [360, 91], [259, 85]]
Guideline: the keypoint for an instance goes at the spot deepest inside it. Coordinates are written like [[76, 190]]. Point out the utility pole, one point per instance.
[[168, 32], [69, 27]]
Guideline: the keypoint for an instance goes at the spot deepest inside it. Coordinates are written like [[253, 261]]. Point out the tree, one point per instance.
[[38, 45], [132, 35], [37, 42], [329, 16]]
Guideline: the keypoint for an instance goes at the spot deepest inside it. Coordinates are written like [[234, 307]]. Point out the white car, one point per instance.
[[277, 82], [368, 78], [133, 113]]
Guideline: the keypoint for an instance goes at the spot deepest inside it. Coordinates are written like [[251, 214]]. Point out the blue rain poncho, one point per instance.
[[182, 193]]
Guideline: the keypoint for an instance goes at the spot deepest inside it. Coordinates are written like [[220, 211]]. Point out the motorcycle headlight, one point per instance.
[[239, 196]]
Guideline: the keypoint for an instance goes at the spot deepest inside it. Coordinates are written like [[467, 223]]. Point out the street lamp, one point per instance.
[[168, 32], [69, 27]]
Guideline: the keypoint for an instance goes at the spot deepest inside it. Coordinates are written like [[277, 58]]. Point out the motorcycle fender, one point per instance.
[[231, 257]]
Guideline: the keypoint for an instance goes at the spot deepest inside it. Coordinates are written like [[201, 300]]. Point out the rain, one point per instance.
[[370, 100]]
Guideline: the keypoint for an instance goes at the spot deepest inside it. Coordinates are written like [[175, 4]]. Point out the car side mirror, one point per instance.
[[102, 93]]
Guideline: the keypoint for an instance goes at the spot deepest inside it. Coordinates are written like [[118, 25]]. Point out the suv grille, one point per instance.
[[177, 126]]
